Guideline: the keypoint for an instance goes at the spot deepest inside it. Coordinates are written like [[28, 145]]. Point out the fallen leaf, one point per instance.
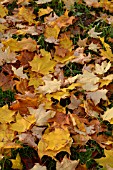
[[96, 96], [37, 166], [43, 11], [67, 164], [16, 163], [19, 72], [107, 160], [103, 68], [54, 142], [108, 115]]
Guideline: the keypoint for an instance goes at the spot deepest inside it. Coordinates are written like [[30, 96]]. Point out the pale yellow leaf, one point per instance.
[[103, 68], [37, 166]]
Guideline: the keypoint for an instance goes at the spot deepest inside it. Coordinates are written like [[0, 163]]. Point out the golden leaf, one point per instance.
[[54, 142], [27, 15], [22, 123], [16, 163], [52, 31], [3, 11], [12, 44], [43, 65], [43, 11], [108, 115], [6, 115], [106, 161], [2, 28]]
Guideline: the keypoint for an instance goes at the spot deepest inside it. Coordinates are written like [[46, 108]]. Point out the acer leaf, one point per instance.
[[6, 134], [97, 95], [50, 86], [69, 4], [89, 81], [41, 115], [43, 1], [107, 160], [6, 115], [103, 68], [43, 11], [19, 72], [3, 11], [67, 164], [7, 56], [92, 32], [51, 32], [54, 142], [12, 44], [37, 166], [108, 115], [22, 123], [2, 28], [16, 163], [43, 65], [27, 15], [93, 47]]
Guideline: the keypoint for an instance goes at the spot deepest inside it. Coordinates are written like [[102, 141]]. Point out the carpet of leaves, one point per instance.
[[56, 84]]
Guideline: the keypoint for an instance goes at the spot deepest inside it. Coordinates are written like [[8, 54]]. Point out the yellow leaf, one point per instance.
[[106, 161], [12, 44], [54, 142], [2, 28], [22, 123], [108, 52], [66, 43], [27, 15], [6, 115], [69, 4], [16, 164], [6, 134], [52, 32], [3, 11], [43, 11], [43, 65]]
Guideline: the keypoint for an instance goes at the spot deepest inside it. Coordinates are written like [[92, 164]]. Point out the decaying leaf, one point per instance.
[[37, 166]]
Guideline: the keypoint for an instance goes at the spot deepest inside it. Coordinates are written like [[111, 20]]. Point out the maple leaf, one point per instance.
[[93, 47], [93, 34], [41, 115], [2, 28], [3, 11], [7, 57], [27, 15], [88, 81], [28, 139], [13, 44], [108, 52], [107, 160], [50, 86], [51, 32], [54, 142], [6, 134], [43, 11], [67, 164], [43, 65], [43, 1], [82, 43], [19, 72], [6, 115], [37, 131], [69, 4], [37, 166], [103, 68], [93, 3], [16, 163], [108, 115], [97, 95], [74, 102], [28, 44], [22, 123]]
